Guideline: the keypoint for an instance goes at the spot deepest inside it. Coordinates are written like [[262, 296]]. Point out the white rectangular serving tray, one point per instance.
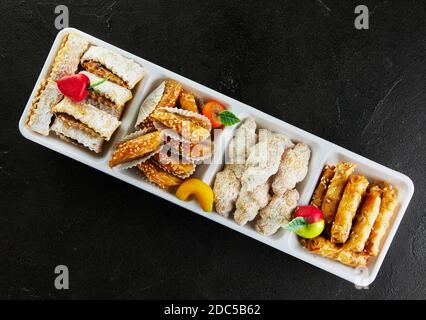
[[323, 152]]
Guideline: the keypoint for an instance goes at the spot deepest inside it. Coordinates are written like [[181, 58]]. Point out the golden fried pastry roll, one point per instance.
[[158, 176], [108, 96], [335, 190], [136, 149], [348, 208], [191, 130], [382, 224], [68, 58], [188, 101], [321, 190], [175, 167], [110, 65], [166, 95], [365, 220], [328, 249]]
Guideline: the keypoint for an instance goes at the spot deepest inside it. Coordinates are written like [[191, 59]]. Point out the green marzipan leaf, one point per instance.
[[295, 225], [93, 86], [229, 119]]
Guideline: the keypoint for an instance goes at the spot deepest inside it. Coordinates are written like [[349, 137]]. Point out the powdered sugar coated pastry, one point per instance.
[[249, 203], [277, 213], [240, 146], [108, 64], [264, 159], [226, 190], [293, 169]]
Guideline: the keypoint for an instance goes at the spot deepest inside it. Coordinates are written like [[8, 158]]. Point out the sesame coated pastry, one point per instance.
[[348, 208], [187, 101], [137, 148], [158, 176], [321, 190], [190, 130], [165, 95], [335, 190], [175, 167], [387, 210], [278, 212], [293, 169]]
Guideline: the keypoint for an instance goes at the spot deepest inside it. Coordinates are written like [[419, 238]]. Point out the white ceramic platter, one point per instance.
[[323, 152]]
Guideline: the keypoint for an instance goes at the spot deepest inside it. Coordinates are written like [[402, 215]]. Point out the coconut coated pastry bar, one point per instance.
[[110, 65], [68, 58], [71, 130], [41, 114], [99, 121], [108, 96]]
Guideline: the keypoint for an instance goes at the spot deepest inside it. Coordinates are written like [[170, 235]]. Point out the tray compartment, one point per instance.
[[374, 173], [323, 152]]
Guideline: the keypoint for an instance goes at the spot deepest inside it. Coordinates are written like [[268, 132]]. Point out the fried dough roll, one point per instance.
[[158, 176], [136, 149], [328, 249], [321, 190], [335, 190], [348, 208], [387, 210], [184, 126], [365, 220]]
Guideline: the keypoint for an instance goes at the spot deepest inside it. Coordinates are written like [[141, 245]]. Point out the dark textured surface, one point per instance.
[[301, 61]]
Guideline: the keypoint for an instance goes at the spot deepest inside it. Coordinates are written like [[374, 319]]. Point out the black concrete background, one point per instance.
[[300, 61]]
